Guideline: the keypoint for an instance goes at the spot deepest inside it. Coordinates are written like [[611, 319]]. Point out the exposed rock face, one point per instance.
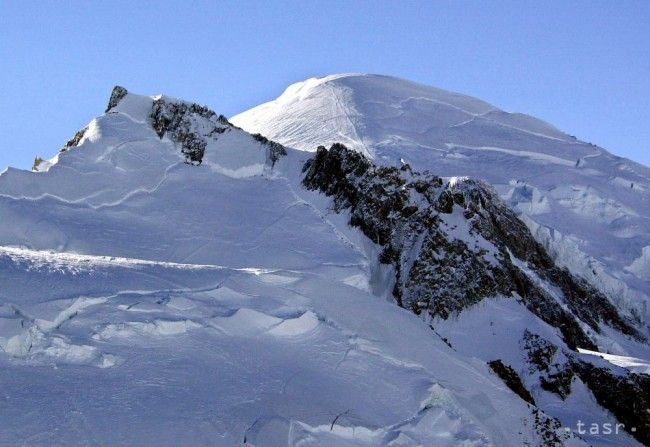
[[74, 141], [37, 162], [276, 150], [192, 126], [116, 96], [625, 394], [455, 243], [512, 379], [179, 120], [540, 351], [550, 429]]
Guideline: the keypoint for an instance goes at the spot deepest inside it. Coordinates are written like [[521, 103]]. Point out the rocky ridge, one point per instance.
[[453, 243], [191, 126]]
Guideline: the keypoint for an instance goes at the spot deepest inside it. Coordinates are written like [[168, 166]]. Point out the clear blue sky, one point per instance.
[[581, 65]]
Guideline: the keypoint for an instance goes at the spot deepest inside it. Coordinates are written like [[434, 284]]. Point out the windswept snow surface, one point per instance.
[[144, 301], [631, 363], [589, 208], [136, 352]]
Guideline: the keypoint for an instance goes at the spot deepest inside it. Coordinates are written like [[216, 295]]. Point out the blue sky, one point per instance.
[[581, 65]]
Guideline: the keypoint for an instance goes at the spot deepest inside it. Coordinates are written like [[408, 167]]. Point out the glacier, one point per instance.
[[166, 279]]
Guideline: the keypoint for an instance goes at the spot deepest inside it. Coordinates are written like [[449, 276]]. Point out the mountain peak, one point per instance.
[[385, 85], [246, 280], [364, 110], [117, 94]]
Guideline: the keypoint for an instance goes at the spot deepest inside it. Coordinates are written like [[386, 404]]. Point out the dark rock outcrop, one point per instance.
[[192, 126], [276, 150], [37, 162], [623, 393], [540, 352], [626, 395], [179, 120], [117, 95], [455, 243], [510, 377], [74, 141]]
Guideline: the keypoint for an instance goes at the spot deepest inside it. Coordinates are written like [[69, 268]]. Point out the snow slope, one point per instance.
[[589, 208], [127, 352], [148, 301]]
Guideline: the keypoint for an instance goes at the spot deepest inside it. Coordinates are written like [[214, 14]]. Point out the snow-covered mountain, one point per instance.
[[169, 279], [589, 208]]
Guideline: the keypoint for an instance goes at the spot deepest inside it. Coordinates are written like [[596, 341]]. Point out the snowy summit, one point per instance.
[[377, 263]]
